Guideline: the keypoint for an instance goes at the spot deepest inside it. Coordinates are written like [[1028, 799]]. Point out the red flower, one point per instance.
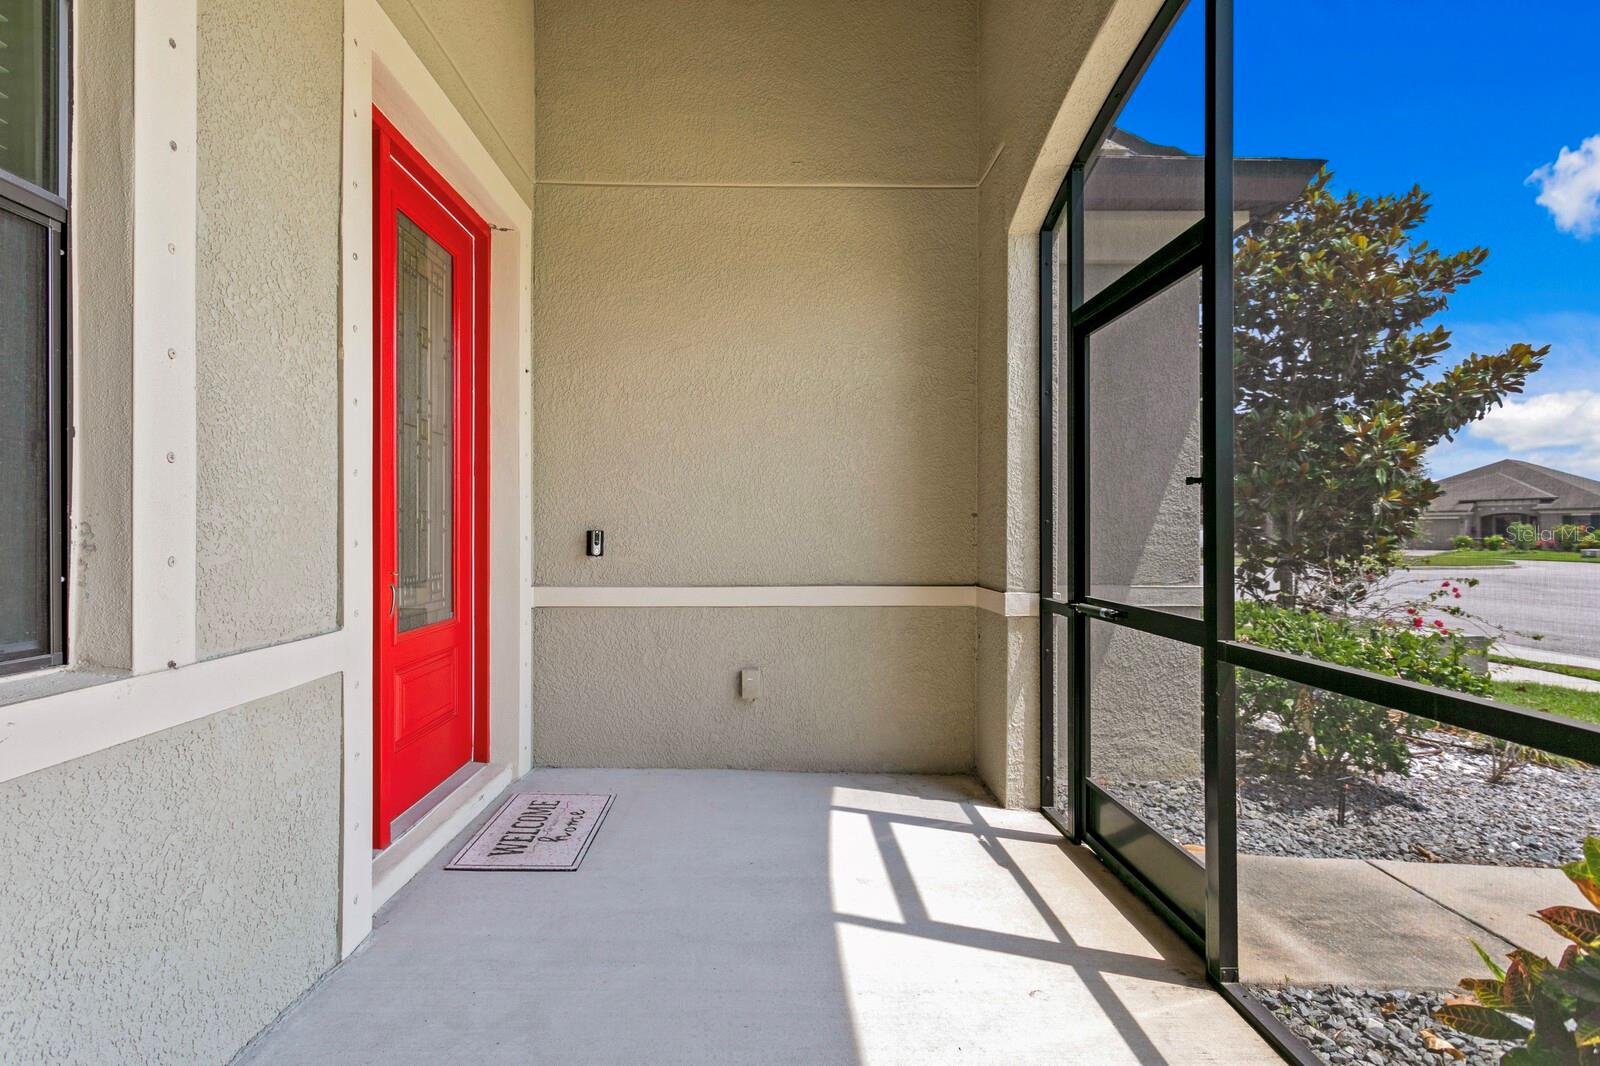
[[1438, 623], [1458, 593], [1416, 623]]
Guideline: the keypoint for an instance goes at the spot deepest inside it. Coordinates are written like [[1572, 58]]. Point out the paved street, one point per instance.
[[1561, 601]]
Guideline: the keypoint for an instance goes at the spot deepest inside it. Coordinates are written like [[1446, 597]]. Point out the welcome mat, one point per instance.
[[535, 831]]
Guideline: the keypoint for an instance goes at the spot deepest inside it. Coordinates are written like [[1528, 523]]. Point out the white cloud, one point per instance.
[[1569, 188], [1559, 429]]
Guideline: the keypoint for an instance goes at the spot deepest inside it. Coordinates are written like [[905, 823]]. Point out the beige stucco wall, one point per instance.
[[166, 898], [865, 688], [754, 329], [716, 92], [102, 377], [753, 386], [482, 56], [1046, 68], [267, 321]]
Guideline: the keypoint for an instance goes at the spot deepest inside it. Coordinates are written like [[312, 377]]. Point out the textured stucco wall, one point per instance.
[[754, 329], [1006, 726], [853, 688], [1045, 70], [267, 318], [754, 386], [1148, 717], [1144, 432], [766, 92], [482, 56], [102, 264], [163, 900]]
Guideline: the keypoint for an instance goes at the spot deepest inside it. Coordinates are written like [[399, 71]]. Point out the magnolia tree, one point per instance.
[[1339, 393]]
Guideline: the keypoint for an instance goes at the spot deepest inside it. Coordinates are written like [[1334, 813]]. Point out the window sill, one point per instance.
[[20, 688]]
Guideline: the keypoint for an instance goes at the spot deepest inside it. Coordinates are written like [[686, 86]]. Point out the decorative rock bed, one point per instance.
[[1445, 810], [1358, 1025]]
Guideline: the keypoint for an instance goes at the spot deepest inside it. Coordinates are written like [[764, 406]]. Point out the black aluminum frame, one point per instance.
[[50, 210], [1065, 321]]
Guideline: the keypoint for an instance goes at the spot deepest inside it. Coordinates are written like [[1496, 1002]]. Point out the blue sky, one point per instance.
[[1470, 100]]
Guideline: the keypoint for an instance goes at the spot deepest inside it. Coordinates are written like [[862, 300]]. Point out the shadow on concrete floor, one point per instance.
[[746, 917]]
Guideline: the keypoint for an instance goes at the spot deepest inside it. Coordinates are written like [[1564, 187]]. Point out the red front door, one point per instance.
[[431, 311]]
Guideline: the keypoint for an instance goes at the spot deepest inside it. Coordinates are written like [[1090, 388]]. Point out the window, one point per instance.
[[33, 221]]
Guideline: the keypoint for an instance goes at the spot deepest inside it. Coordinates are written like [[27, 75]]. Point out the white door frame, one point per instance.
[[382, 70]]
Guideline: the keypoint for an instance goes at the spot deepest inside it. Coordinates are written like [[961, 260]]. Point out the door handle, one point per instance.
[[1105, 614], [394, 597]]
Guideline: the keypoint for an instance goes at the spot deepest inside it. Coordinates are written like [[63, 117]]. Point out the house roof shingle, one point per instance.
[[1514, 479]]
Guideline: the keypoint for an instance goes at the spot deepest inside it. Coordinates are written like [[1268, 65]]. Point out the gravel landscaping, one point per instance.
[[1358, 1025], [1445, 810]]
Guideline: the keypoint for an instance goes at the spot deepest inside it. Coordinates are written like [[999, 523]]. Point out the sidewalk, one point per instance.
[[1385, 924]]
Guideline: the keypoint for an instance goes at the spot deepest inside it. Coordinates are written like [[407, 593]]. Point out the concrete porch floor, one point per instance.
[[747, 917]]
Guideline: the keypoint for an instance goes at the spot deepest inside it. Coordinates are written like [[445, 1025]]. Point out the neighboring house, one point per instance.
[[1483, 502]]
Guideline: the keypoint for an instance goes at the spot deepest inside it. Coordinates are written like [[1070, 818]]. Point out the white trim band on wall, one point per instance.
[[42, 732], [1006, 604]]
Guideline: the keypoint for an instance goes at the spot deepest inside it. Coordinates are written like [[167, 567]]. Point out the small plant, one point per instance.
[[1505, 757], [1323, 733], [1496, 543], [1522, 535], [1568, 536], [1463, 543], [1551, 1009], [1591, 540]]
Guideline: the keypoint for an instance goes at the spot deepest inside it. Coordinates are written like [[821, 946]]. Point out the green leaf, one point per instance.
[[1494, 967], [1486, 1023], [1576, 924], [1524, 1056], [1517, 990], [1486, 990], [1577, 986], [1588, 1032]]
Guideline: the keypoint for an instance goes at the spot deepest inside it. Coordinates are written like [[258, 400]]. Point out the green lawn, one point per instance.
[[1588, 673], [1478, 557], [1552, 699]]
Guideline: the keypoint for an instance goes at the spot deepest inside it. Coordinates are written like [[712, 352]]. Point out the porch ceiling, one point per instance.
[[737, 917]]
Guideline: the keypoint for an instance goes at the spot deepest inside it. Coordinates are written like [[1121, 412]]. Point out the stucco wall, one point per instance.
[[717, 92], [869, 688], [1046, 68], [165, 899], [1148, 714], [102, 263], [1144, 433], [484, 62], [267, 319], [1006, 726], [753, 386], [754, 327], [1145, 531]]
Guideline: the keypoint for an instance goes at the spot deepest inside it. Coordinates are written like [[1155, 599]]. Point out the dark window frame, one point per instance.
[[50, 210], [1065, 319]]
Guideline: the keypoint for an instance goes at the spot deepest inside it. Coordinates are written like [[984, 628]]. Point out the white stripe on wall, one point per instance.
[[1006, 604]]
